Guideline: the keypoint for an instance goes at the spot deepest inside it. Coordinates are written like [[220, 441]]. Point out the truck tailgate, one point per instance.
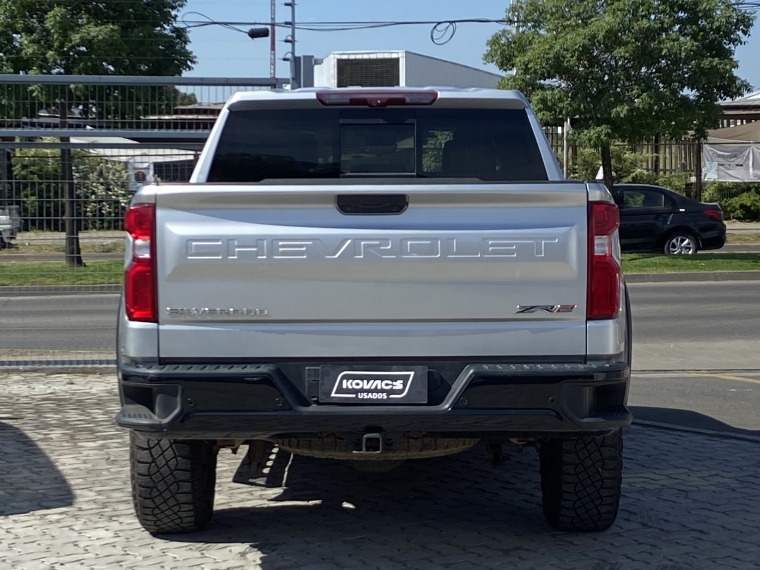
[[259, 270]]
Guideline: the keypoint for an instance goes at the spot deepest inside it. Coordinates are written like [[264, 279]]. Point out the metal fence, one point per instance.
[[51, 310], [73, 150], [140, 107]]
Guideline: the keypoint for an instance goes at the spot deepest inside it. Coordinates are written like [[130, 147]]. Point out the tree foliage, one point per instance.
[[624, 70], [628, 166], [124, 37], [101, 186], [88, 37]]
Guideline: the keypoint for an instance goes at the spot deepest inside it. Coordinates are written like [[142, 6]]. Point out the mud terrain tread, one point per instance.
[[172, 483], [581, 481]]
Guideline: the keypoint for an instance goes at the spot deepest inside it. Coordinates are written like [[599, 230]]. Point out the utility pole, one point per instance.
[[291, 39], [272, 43], [517, 25]]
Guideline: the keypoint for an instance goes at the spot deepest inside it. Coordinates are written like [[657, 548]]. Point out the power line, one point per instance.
[[442, 31]]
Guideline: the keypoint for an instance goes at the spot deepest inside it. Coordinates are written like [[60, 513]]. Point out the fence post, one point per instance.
[[5, 195], [698, 172], [71, 219]]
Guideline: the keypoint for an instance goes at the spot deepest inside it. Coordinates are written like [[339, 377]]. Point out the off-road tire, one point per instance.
[[581, 480], [172, 483]]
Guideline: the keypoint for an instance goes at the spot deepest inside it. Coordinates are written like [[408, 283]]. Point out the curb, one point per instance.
[[59, 366], [47, 290], [694, 276], [710, 432]]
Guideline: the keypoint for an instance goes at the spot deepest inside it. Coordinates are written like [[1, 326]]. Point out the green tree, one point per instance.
[[90, 37], [101, 188], [624, 70]]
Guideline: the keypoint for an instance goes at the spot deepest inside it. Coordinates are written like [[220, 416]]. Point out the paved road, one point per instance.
[[711, 401], [688, 326], [690, 501], [677, 326], [58, 323]]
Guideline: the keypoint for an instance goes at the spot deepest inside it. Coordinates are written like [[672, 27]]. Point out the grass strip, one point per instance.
[[655, 263], [34, 273], [38, 273]]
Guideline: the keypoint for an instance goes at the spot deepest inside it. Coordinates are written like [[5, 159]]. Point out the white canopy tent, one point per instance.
[[732, 154]]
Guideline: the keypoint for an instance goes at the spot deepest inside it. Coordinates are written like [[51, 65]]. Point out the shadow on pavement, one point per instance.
[[29, 480], [686, 418], [346, 518], [438, 513]]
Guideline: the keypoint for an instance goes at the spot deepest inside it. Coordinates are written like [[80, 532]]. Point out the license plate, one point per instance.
[[373, 385]]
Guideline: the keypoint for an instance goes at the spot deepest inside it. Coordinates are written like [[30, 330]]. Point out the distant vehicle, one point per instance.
[[10, 223], [655, 219]]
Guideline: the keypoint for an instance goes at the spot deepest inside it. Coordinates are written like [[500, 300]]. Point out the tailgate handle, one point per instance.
[[368, 204]]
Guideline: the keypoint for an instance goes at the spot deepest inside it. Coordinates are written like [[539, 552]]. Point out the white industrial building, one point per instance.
[[395, 68]]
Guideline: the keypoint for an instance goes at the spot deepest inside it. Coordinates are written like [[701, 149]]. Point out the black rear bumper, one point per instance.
[[481, 400]]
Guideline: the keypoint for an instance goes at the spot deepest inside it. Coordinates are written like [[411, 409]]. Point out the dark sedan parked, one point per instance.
[[654, 219]]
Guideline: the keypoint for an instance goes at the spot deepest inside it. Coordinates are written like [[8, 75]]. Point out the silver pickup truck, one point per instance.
[[374, 275]]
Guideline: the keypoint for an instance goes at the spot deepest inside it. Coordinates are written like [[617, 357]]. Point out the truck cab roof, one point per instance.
[[441, 96]]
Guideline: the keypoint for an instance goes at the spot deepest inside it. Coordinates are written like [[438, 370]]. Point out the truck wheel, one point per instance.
[[581, 480], [172, 483]]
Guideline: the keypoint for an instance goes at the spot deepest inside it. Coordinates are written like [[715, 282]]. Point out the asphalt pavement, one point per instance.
[[696, 326], [721, 317]]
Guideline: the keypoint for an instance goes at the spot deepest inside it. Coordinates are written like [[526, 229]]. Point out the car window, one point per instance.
[[643, 199], [495, 145]]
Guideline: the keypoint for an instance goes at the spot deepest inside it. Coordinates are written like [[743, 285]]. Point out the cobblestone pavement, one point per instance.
[[689, 501]]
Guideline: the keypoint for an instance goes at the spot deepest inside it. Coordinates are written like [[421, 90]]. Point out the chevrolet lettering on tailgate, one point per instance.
[[383, 248]]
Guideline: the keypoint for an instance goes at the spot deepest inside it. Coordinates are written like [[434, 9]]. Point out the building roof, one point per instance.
[[751, 100], [749, 132]]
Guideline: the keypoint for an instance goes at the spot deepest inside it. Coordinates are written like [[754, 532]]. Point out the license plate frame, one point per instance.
[[373, 385]]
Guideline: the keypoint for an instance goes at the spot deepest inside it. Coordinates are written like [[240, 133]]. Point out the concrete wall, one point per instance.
[[423, 71], [323, 72]]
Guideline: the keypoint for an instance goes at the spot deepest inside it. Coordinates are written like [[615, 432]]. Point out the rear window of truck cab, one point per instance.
[[495, 145]]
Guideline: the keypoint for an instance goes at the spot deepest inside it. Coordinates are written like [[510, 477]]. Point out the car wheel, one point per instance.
[[681, 244]]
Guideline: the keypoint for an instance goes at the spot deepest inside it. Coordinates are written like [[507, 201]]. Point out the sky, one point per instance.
[[226, 53]]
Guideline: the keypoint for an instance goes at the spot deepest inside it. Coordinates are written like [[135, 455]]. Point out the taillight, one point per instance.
[[140, 274], [376, 98], [716, 215], [603, 287]]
